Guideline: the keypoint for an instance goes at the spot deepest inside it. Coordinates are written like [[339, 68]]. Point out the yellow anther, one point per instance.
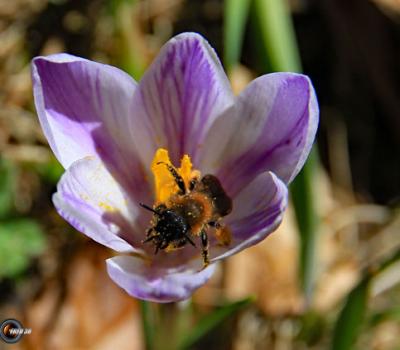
[[186, 169], [165, 184]]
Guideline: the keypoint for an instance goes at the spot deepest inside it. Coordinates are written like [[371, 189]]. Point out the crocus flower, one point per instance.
[[113, 136]]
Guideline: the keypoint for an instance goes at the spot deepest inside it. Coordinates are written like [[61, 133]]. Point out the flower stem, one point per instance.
[[148, 323], [164, 324]]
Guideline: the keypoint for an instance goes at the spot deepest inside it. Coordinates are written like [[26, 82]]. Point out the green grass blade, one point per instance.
[[350, 320], [278, 35], [392, 314], [236, 13], [307, 221]]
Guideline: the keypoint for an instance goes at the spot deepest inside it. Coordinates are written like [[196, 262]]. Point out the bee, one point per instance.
[[188, 214]]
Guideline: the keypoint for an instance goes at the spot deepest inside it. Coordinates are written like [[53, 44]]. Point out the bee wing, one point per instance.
[[211, 186]]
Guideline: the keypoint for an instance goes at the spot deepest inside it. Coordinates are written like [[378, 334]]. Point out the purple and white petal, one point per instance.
[[271, 128], [143, 281], [179, 97], [91, 201], [257, 211], [77, 98], [84, 108]]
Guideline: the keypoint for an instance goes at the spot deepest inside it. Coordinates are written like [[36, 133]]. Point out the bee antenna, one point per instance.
[[148, 208]]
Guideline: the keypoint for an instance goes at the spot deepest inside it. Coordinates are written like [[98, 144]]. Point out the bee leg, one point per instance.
[[204, 251], [149, 231], [160, 246], [150, 234], [148, 239], [178, 179], [189, 240]]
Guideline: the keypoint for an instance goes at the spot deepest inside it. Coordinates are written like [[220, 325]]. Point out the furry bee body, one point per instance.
[[188, 214]]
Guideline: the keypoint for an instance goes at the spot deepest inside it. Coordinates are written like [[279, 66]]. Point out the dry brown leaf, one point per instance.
[[268, 270], [93, 313]]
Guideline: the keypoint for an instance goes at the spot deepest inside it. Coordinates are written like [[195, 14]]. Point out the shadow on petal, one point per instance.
[[257, 211]]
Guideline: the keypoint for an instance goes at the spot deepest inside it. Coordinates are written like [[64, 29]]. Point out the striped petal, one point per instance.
[[84, 108], [271, 128], [90, 199], [179, 98]]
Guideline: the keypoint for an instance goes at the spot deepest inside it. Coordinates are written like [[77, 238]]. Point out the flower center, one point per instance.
[[164, 180]]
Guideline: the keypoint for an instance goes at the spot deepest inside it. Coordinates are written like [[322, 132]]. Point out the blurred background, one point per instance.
[[327, 279]]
